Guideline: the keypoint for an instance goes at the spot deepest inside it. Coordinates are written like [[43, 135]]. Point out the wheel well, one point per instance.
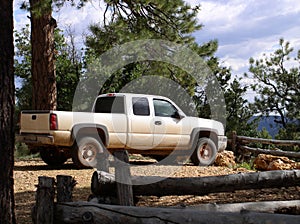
[[91, 132], [211, 135]]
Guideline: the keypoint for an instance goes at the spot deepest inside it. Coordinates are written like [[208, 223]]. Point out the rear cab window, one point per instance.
[[140, 106], [110, 104]]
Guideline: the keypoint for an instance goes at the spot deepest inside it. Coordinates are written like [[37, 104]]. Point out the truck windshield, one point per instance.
[[111, 104]]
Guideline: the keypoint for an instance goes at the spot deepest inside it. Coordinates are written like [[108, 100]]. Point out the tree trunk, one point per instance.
[[85, 212], [43, 67], [7, 101], [199, 185]]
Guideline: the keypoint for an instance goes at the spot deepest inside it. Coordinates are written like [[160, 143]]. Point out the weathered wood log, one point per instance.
[[103, 161], [44, 208], [204, 185], [244, 139], [264, 206], [271, 152], [123, 178], [102, 182], [65, 185], [84, 212]]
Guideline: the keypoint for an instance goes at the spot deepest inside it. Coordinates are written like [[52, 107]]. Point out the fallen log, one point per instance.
[[159, 186], [85, 212], [271, 152], [264, 206]]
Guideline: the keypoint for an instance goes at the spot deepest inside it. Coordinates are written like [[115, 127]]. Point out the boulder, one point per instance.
[[270, 162], [225, 158]]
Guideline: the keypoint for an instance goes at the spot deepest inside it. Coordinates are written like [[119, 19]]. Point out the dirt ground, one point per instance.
[[27, 172]]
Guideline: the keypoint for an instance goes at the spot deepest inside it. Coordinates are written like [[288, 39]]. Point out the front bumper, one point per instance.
[[222, 143]]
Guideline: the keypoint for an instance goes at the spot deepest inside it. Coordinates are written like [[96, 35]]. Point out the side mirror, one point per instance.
[[177, 115]]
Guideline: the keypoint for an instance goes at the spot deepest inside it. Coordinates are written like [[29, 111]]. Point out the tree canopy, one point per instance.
[[277, 83]]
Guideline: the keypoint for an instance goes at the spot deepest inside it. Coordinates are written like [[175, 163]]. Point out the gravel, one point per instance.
[[27, 172]]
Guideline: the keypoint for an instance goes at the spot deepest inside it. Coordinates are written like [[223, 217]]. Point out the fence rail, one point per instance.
[[239, 144]]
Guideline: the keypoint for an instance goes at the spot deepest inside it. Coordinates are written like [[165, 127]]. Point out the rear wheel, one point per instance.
[[85, 152], [205, 153], [53, 157]]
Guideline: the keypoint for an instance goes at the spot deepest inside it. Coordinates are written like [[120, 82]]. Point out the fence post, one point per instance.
[[44, 207], [103, 161], [65, 185], [233, 142], [123, 178]]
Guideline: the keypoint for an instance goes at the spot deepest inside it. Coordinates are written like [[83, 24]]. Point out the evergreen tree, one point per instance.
[[68, 69], [278, 86], [177, 23]]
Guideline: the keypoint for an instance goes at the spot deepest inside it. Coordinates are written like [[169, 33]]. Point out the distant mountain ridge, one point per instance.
[[268, 122]]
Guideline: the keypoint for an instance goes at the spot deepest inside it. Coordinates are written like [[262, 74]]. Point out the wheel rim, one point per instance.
[[205, 152], [88, 153]]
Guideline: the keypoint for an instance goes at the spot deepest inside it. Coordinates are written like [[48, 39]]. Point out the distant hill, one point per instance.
[[270, 125]]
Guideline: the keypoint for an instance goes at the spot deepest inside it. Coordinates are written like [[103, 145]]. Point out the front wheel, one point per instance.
[[85, 152], [205, 152]]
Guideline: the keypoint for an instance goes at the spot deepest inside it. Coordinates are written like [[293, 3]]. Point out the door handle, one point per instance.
[[157, 123]]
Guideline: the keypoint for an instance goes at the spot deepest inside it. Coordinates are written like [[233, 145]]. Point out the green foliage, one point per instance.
[[23, 152], [174, 21], [239, 111], [278, 84], [22, 66], [246, 165], [68, 69]]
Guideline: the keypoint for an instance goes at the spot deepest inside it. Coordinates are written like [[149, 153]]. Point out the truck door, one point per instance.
[[140, 133], [169, 131]]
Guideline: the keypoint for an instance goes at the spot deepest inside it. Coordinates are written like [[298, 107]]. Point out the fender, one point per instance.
[[76, 128], [196, 134]]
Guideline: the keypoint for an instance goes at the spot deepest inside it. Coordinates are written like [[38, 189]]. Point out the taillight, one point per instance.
[[53, 122]]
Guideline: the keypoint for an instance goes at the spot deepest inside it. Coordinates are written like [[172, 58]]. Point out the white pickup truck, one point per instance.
[[144, 124]]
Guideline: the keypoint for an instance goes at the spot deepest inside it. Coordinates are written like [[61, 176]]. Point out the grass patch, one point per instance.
[[23, 152], [246, 165]]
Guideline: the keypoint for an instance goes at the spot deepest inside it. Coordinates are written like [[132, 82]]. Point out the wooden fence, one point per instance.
[[239, 145], [120, 188]]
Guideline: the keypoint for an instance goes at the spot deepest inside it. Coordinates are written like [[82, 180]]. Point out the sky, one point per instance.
[[243, 28]]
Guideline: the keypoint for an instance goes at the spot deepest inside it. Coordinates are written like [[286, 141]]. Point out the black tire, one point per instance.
[[158, 158], [85, 152], [205, 152], [53, 157]]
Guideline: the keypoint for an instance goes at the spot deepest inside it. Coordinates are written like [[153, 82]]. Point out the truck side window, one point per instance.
[[163, 108], [110, 104], [140, 106]]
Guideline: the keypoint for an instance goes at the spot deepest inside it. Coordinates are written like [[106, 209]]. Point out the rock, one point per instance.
[[225, 158], [270, 162]]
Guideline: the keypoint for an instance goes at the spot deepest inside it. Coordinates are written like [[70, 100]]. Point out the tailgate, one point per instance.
[[35, 122]]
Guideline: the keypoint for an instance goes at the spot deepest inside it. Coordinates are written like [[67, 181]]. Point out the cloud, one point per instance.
[[78, 20], [20, 16], [243, 28], [248, 28]]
